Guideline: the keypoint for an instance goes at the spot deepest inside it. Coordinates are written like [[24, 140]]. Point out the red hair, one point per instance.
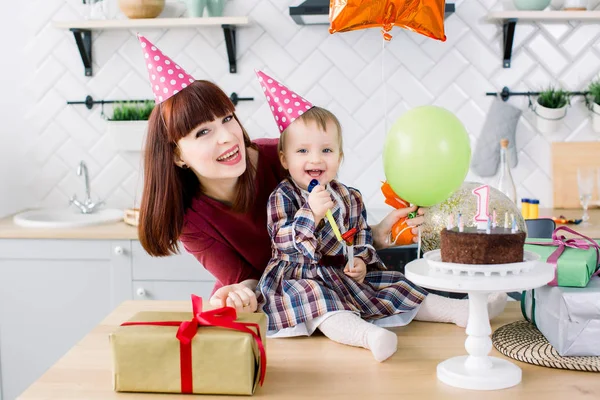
[[169, 189]]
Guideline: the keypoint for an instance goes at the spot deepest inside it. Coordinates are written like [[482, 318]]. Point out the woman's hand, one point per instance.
[[358, 271], [381, 232], [238, 296]]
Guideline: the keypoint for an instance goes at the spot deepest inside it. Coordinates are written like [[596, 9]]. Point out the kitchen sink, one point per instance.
[[66, 218]]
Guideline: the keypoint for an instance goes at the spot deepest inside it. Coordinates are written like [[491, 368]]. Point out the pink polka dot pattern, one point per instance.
[[285, 105], [166, 77]]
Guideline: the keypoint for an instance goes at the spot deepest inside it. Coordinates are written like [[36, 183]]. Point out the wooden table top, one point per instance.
[[317, 368]]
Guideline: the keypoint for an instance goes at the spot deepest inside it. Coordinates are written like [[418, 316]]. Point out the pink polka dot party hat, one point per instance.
[[166, 77], [285, 105]]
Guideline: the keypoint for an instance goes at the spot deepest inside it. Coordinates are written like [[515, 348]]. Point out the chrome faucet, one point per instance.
[[88, 206]]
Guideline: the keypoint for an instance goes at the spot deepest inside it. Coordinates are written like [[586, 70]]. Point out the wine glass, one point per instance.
[[585, 184]]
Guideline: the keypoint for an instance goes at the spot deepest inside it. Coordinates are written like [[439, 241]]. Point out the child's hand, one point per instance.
[[319, 201], [358, 272]]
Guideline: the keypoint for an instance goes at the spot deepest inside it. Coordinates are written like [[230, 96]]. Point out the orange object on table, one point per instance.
[[401, 231]]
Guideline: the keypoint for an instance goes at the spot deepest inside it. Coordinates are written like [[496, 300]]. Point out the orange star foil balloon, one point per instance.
[[422, 16]]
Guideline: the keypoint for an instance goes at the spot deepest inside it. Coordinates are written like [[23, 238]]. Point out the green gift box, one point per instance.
[[576, 259]]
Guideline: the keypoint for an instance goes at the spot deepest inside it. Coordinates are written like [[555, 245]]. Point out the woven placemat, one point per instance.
[[522, 341]]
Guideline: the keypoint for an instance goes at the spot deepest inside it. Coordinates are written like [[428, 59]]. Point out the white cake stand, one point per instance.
[[478, 371]]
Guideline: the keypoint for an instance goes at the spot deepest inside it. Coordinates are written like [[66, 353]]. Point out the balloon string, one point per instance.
[[385, 116], [419, 244]]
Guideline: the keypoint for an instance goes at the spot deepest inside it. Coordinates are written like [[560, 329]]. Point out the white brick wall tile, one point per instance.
[[102, 81], [444, 72], [212, 61], [47, 177], [525, 133], [104, 43], [343, 56], [45, 76], [373, 110], [524, 168], [455, 28], [521, 64], [473, 13], [377, 73], [410, 88], [273, 55], [319, 96], [76, 127], [539, 151], [103, 150], [308, 73], [111, 176], [472, 118], [44, 111], [305, 41], [579, 73], [540, 186], [478, 54], [351, 131], [50, 140], [213, 35], [410, 55], [580, 38], [452, 98], [72, 154], [547, 54], [555, 30], [277, 23], [475, 85], [349, 96]]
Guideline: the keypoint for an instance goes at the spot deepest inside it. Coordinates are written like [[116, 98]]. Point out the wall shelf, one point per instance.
[[510, 18], [82, 31]]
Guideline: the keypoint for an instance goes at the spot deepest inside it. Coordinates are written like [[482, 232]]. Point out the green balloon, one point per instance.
[[426, 155]]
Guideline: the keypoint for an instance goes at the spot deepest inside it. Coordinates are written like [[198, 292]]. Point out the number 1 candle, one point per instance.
[[483, 201]]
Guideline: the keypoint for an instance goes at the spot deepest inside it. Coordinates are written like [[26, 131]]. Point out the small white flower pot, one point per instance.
[[596, 117], [549, 119], [128, 135]]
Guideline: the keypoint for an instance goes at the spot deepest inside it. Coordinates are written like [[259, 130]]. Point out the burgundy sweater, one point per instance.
[[234, 247]]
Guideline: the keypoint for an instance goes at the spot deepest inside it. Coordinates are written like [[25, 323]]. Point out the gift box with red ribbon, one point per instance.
[[209, 352], [575, 259]]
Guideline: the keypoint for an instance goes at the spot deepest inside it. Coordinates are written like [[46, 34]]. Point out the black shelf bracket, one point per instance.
[[229, 32], [83, 38], [508, 35]]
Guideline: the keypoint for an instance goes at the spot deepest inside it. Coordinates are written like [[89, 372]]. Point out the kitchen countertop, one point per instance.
[[117, 231], [112, 231], [316, 367]]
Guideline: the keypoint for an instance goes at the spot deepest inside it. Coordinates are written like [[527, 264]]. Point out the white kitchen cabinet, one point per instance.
[[53, 292]]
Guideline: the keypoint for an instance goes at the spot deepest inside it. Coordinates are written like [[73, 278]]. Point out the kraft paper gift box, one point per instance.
[[576, 259], [171, 352], [568, 317]]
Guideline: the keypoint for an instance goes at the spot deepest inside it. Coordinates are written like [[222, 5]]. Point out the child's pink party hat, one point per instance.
[[166, 77], [285, 105]]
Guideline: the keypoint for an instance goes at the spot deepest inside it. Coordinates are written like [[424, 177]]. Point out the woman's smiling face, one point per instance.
[[214, 150]]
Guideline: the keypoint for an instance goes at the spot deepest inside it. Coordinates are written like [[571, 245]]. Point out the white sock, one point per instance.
[[348, 328], [443, 309]]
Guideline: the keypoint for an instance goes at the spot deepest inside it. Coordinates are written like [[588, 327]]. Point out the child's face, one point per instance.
[[311, 153]]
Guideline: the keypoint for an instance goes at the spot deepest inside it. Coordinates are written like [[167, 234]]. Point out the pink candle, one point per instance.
[[450, 224], [483, 201], [494, 223]]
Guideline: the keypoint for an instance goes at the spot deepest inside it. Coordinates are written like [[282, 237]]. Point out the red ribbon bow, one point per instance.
[[223, 317], [562, 242]]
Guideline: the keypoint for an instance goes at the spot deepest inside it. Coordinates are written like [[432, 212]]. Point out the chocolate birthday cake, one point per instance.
[[473, 246]]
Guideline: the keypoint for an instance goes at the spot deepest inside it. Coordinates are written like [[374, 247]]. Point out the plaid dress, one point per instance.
[[305, 277]]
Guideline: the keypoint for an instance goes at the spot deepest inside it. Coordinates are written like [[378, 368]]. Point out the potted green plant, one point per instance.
[[551, 108], [129, 124], [593, 101]]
